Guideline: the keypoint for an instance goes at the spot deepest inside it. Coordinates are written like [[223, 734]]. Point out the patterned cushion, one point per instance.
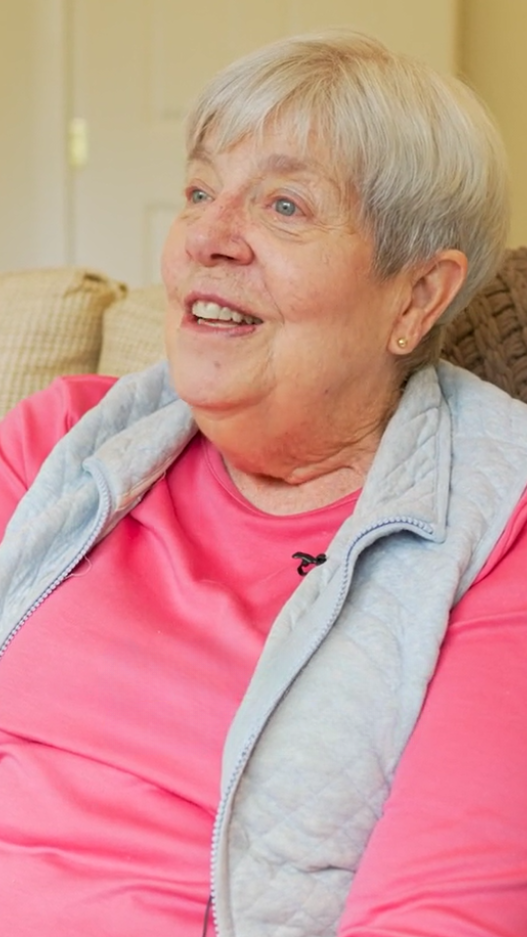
[[50, 324], [490, 336], [133, 332]]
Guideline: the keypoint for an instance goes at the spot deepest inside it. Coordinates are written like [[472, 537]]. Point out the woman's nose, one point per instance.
[[218, 235]]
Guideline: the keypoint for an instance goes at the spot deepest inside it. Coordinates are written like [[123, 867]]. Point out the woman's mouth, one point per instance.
[[212, 314]]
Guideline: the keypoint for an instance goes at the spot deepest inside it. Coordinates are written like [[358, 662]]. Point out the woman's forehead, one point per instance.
[[277, 147]]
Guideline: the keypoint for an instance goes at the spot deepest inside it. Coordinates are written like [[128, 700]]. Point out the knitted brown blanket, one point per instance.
[[490, 336]]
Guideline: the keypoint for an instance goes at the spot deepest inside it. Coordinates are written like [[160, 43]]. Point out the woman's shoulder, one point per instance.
[[511, 546], [488, 426], [68, 398], [469, 396], [34, 426], [52, 412]]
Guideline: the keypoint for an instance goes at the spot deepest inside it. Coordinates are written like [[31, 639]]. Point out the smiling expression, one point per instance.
[[273, 309]]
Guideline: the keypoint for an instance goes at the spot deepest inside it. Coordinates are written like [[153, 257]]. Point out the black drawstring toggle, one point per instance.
[[306, 559]]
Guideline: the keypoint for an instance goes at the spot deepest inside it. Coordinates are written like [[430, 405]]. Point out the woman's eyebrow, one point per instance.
[[279, 163], [313, 170], [283, 162]]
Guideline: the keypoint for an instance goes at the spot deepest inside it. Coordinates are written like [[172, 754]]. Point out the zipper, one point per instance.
[[105, 509], [399, 523]]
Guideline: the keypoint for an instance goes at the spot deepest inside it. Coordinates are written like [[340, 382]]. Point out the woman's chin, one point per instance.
[[209, 397]]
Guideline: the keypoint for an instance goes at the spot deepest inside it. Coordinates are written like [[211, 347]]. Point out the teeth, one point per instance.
[[212, 311]]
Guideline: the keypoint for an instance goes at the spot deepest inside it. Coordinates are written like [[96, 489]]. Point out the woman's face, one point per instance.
[[272, 303]]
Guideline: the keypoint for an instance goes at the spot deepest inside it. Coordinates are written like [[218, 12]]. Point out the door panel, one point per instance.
[[136, 66]]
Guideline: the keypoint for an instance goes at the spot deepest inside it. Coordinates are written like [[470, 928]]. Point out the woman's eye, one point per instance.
[[284, 206], [196, 196]]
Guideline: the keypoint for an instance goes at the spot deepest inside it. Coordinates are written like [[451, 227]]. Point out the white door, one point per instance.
[[134, 67]]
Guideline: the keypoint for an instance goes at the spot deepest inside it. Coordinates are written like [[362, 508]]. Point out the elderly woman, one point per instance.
[[253, 579]]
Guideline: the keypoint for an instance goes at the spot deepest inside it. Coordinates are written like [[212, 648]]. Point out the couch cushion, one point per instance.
[[50, 324], [133, 332]]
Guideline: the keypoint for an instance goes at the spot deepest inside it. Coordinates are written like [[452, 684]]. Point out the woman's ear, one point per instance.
[[435, 284]]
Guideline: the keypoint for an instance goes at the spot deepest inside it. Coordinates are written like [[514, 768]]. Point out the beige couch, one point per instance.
[[71, 320]]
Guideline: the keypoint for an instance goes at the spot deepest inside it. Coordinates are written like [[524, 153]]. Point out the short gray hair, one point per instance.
[[419, 150]]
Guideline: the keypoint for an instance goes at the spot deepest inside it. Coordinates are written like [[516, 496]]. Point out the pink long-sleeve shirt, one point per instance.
[[116, 696]]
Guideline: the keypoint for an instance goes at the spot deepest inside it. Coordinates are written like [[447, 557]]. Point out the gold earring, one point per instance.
[[402, 342]]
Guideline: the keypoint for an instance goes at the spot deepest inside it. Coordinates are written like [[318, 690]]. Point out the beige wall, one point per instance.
[[33, 187], [424, 28], [493, 57], [16, 103]]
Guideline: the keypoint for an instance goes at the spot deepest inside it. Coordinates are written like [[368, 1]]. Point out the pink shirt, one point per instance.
[[113, 714], [117, 694]]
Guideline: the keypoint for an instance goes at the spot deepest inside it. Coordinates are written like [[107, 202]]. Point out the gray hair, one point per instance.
[[418, 150]]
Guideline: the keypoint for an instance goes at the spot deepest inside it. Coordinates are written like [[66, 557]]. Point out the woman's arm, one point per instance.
[[449, 856]]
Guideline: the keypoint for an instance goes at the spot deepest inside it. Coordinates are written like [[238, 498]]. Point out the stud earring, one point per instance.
[[402, 342]]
